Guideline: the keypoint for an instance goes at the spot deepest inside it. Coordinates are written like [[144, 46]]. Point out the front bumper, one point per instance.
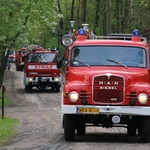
[[43, 80], [108, 110]]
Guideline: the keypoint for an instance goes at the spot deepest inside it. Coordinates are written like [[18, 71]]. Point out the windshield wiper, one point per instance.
[[117, 62], [81, 62]]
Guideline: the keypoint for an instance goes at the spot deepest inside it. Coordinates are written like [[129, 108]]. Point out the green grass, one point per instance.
[[7, 129], [6, 101], [7, 124]]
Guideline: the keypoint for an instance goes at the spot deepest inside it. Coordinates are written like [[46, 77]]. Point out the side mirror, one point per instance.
[[59, 63]]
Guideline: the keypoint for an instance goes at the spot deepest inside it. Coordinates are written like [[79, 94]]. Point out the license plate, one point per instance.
[[44, 79], [88, 110]]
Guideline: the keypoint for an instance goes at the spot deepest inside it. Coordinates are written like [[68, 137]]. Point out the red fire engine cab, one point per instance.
[[40, 70], [106, 84]]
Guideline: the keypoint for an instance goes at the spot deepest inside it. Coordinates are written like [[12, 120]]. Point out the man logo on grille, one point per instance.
[[108, 75]]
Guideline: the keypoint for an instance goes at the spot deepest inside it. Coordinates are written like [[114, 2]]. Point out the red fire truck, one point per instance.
[[19, 55], [106, 84], [11, 56], [40, 70]]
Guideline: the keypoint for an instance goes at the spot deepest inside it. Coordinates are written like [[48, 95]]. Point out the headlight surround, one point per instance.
[[73, 96], [142, 98]]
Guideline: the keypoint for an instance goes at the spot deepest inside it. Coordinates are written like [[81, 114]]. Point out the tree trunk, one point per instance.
[[125, 18], [3, 67], [117, 16], [132, 14], [108, 17], [83, 14], [72, 10], [97, 14]]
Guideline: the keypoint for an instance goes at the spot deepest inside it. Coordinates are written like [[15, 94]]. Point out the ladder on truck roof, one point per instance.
[[120, 36]]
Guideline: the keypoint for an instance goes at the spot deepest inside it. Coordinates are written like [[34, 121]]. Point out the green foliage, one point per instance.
[[7, 129], [22, 20], [139, 19]]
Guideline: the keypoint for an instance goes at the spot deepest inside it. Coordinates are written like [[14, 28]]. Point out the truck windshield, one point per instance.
[[108, 56], [24, 51], [42, 57], [12, 53]]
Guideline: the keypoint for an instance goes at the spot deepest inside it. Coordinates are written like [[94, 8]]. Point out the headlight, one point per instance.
[[30, 79], [67, 40], [142, 98], [56, 79], [73, 96]]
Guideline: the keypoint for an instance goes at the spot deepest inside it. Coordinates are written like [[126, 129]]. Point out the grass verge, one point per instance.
[[6, 101], [7, 124], [7, 129]]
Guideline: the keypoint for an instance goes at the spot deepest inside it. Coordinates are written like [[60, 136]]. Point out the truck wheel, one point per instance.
[[81, 127], [28, 88], [17, 68], [139, 130], [63, 121], [131, 128], [21, 68], [145, 131], [69, 127], [57, 89]]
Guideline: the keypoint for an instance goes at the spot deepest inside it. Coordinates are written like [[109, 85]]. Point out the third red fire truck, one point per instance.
[[40, 69], [106, 84]]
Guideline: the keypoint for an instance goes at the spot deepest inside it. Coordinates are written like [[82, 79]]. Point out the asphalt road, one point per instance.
[[40, 126]]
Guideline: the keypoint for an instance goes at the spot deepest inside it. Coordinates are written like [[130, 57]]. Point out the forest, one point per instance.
[[25, 22]]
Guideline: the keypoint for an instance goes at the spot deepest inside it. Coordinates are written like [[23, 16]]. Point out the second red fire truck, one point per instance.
[[40, 69], [106, 84], [19, 55]]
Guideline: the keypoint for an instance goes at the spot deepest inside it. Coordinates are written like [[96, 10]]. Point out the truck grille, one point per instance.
[[108, 89]]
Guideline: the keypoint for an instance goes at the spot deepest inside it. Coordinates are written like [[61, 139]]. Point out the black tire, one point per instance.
[[139, 130], [131, 128], [81, 129], [17, 68], [28, 88], [52, 88], [21, 68], [69, 127], [145, 130], [57, 89], [63, 121]]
